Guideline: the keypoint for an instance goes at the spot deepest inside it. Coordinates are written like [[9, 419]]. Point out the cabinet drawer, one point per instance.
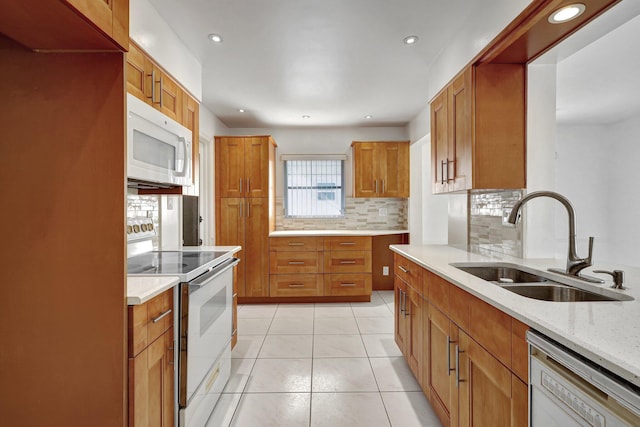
[[409, 272], [438, 291], [347, 262], [284, 244], [295, 262], [148, 321], [295, 285], [347, 284], [347, 243]]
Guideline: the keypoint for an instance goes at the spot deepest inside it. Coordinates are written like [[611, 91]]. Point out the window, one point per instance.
[[313, 188]]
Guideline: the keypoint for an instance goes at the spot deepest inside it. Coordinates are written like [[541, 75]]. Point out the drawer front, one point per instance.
[[409, 272], [289, 244], [295, 262], [347, 284], [295, 285], [347, 243], [347, 262], [438, 291], [148, 321]]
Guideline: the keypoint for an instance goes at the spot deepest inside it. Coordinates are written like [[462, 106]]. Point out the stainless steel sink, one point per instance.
[[502, 274], [540, 285], [557, 293]]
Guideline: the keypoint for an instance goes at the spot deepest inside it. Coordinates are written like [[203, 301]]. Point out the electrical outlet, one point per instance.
[[382, 211], [385, 270]]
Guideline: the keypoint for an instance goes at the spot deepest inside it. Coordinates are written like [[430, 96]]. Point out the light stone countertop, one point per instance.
[[141, 289], [608, 333], [302, 233]]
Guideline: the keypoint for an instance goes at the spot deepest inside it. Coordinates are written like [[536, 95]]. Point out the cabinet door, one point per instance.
[[110, 16], [393, 166], [151, 384], [191, 120], [257, 247], [136, 75], [460, 98], [365, 170], [230, 231], [413, 343], [256, 166], [170, 102], [440, 366], [230, 167], [400, 320], [485, 392], [439, 143]]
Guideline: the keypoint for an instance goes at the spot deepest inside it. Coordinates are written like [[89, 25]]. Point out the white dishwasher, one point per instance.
[[565, 390]]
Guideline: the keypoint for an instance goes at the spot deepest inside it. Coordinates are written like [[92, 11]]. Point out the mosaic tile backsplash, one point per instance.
[[361, 214], [486, 232]]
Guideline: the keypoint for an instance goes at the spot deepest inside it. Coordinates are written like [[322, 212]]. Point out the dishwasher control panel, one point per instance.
[[573, 401]]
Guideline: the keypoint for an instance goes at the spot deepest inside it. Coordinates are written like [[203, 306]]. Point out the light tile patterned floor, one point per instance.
[[312, 365]]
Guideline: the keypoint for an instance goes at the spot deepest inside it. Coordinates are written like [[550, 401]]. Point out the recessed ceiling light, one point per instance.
[[368, 116], [216, 38], [241, 110], [410, 39], [567, 13], [306, 117]]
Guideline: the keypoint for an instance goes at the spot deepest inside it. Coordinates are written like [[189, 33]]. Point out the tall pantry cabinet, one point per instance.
[[245, 206]]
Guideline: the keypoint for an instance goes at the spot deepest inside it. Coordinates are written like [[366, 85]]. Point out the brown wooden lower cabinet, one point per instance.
[[469, 357], [151, 364]]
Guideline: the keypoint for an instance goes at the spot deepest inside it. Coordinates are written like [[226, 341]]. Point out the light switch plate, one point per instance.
[[385, 270]]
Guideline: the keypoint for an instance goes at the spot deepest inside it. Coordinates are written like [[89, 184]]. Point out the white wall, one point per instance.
[[151, 32], [210, 125], [427, 213], [322, 141], [597, 170]]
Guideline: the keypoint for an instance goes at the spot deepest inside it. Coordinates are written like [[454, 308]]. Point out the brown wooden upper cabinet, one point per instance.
[[151, 84], [478, 130], [380, 168], [109, 16], [243, 166]]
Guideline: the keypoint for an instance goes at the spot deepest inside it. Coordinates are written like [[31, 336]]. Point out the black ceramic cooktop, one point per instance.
[[170, 262]]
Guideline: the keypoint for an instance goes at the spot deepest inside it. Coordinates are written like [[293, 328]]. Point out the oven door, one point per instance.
[[205, 332]]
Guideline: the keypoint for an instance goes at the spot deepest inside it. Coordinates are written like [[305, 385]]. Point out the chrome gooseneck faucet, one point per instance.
[[574, 263]]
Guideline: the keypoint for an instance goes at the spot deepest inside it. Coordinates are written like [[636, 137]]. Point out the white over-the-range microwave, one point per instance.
[[158, 148]]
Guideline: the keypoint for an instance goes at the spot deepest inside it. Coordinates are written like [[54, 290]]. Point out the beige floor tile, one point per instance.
[[291, 326], [410, 409], [375, 325], [381, 345], [248, 346], [280, 376], [335, 325], [240, 371], [348, 409], [394, 374], [273, 410], [287, 347], [338, 346], [345, 374]]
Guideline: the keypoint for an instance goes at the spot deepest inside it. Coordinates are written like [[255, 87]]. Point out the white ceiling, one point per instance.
[[334, 60]]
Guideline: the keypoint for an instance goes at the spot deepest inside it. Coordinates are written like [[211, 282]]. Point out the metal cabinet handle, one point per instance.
[[453, 175], [347, 285], [376, 183], [153, 86], [404, 270], [404, 299], [347, 243], [160, 317], [449, 342], [347, 262], [400, 298], [442, 163], [458, 380], [382, 186], [296, 262], [296, 285], [296, 244]]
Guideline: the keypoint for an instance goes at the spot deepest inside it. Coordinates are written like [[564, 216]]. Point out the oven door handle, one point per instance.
[[207, 277]]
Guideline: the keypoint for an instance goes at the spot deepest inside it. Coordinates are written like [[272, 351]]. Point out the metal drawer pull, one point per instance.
[[458, 351], [347, 243], [404, 295], [404, 270], [347, 262], [159, 318], [347, 285], [296, 285], [296, 262], [449, 342], [296, 244], [401, 303]]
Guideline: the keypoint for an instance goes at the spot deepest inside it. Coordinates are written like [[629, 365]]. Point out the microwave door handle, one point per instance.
[[182, 157]]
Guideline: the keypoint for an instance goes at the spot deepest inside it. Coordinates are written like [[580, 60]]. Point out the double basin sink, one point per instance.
[[539, 285]]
